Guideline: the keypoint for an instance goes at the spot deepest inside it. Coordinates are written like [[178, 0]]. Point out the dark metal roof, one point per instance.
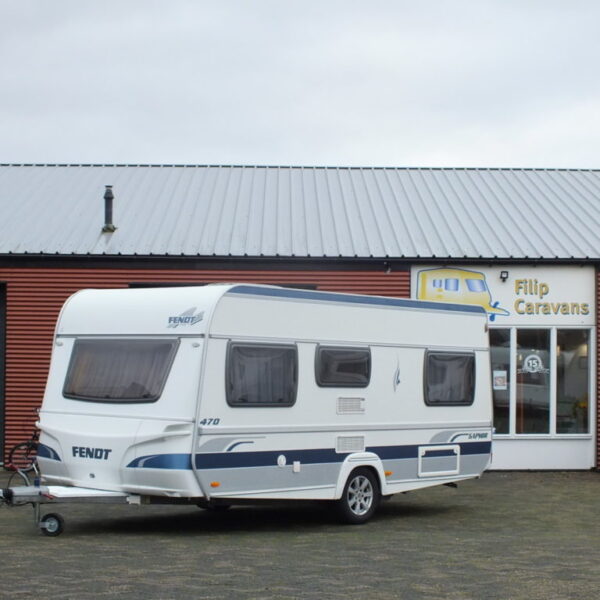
[[322, 212]]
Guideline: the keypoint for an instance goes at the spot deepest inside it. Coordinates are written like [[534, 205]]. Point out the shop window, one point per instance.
[[342, 367], [449, 379], [553, 374], [572, 381], [261, 374], [500, 368]]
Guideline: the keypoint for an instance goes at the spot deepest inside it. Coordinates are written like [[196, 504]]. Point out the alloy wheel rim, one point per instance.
[[360, 495]]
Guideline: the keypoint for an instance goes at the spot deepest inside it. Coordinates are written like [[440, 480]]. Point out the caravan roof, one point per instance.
[[186, 310]]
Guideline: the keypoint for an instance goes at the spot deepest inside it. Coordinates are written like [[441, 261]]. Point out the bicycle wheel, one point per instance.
[[22, 456], [18, 478]]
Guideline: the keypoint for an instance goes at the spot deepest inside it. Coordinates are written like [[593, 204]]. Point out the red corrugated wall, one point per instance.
[[35, 296]]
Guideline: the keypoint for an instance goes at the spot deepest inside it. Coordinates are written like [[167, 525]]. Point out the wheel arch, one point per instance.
[[368, 460]]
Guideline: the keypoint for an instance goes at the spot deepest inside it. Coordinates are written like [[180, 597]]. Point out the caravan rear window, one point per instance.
[[261, 374], [449, 379], [119, 370]]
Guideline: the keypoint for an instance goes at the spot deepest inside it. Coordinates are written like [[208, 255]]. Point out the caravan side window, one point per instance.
[[449, 378], [342, 367], [261, 374]]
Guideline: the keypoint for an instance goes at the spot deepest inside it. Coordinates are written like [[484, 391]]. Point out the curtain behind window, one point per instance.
[[450, 378], [119, 370], [261, 375]]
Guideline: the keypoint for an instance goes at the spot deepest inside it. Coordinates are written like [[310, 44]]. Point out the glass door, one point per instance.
[[533, 381]]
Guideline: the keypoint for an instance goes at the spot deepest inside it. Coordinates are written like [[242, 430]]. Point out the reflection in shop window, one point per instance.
[[572, 385], [533, 381], [500, 367]]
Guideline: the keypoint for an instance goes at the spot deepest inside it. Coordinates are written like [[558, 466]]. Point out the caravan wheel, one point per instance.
[[52, 524], [360, 498]]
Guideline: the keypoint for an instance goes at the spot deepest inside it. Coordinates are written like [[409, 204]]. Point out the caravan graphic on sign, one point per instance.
[[459, 286]]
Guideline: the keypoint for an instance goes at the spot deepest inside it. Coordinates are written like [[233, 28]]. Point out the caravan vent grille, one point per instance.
[[350, 443], [350, 406]]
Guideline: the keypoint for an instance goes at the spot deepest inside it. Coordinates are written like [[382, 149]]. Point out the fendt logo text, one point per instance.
[[96, 453], [186, 318]]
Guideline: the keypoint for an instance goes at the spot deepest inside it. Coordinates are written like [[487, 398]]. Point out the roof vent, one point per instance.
[[108, 209]]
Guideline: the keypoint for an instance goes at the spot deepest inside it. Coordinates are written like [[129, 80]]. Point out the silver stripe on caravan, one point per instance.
[[336, 428], [340, 299], [128, 336]]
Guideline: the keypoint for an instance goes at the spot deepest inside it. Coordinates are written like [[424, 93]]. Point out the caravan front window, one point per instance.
[[119, 370]]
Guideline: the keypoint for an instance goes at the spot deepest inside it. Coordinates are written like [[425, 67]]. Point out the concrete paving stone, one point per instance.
[[506, 536]]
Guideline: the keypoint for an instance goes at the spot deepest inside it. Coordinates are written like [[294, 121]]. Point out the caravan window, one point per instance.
[[476, 285], [119, 370], [261, 374], [342, 367], [449, 379]]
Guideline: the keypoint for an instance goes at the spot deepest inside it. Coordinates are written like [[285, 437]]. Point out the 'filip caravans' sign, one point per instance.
[[513, 295]]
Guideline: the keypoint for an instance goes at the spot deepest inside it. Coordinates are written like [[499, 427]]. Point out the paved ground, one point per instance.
[[508, 535]]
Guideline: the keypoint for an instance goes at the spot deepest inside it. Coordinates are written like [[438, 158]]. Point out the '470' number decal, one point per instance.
[[212, 421]]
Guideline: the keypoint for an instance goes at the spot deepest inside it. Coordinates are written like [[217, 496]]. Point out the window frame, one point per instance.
[[429, 353], [319, 350], [231, 345], [175, 342], [554, 433]]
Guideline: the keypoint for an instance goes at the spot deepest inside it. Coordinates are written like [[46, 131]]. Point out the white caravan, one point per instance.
[[229, 393]]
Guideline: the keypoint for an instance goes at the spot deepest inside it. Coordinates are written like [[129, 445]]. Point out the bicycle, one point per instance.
[[23, 456], [22, 459]]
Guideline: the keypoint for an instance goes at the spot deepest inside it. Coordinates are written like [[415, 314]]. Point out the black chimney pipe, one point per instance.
[[108, 206]]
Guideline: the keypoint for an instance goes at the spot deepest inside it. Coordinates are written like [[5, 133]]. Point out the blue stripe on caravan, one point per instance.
[[229, 460], [353, 299], [475, 448], [44, 451], [235, 460], [394, 452], [162, 461], [397, 452]]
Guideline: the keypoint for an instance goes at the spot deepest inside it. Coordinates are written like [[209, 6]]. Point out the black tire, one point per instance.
[[213, 506], [22, 456], [52, 524], [361, 497]]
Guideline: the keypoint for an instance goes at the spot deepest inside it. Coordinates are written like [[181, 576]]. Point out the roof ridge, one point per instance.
[[308, 167]]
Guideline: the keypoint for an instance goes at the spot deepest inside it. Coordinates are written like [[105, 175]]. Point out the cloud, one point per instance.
[[496, 83]]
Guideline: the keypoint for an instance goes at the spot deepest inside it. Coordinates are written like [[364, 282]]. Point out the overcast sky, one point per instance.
[[312, 82]]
